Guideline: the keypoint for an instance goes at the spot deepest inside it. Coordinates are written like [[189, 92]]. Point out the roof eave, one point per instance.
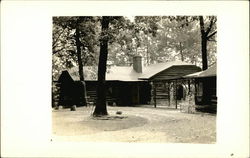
[[206, 76]]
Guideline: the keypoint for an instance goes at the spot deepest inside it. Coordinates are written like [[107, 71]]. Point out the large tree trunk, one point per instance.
[[101, 108], [80, 66], [203, 43], [204, 52]]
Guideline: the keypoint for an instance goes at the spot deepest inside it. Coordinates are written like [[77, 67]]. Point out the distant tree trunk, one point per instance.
[[182, 57], [78, 51], [80, 65], [147, 54], [101, 108], [203, 43]]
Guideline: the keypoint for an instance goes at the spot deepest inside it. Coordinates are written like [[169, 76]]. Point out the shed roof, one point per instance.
[[154, 69], [210, 72]]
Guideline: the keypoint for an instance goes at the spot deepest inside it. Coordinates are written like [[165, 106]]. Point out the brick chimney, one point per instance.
[[137, 63]]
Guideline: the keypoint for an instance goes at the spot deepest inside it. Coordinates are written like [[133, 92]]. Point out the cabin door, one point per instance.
[[180, 92]]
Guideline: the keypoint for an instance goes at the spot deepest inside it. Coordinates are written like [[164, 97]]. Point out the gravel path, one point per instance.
[[136, 124]]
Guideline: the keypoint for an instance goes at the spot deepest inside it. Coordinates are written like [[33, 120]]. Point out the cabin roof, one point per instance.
[[114, 73], [88, 72], [122, 73], [126, 73], [210, 72]]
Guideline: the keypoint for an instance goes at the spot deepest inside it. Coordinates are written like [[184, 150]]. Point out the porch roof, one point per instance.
[[210, 72], [155, 69]]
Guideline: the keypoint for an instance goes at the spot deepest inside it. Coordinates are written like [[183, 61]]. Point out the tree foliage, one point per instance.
[[161, 39], [64, 47]]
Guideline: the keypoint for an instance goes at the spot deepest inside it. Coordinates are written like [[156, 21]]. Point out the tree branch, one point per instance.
[[55, 41], [212, 40], [211, 35], [210, 26], [56, 51]]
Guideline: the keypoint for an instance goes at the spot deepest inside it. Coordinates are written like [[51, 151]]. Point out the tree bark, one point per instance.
[[80, 64], [203, 43], [101, 108]]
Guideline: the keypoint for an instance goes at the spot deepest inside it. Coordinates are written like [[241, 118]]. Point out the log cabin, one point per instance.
[[129, 85]]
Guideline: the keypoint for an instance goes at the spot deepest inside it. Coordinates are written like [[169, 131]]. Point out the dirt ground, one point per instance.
[[135, 124]]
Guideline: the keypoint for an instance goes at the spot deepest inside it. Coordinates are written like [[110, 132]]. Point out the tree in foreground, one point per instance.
[[107, 36], [101, 108]]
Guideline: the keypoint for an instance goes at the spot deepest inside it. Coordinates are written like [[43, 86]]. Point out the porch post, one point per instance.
[[188, 86], [169, 84], [154, 94], [176, 94]]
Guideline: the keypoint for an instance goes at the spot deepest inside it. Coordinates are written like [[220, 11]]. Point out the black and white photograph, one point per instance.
[[127, 79], [134, 79]]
